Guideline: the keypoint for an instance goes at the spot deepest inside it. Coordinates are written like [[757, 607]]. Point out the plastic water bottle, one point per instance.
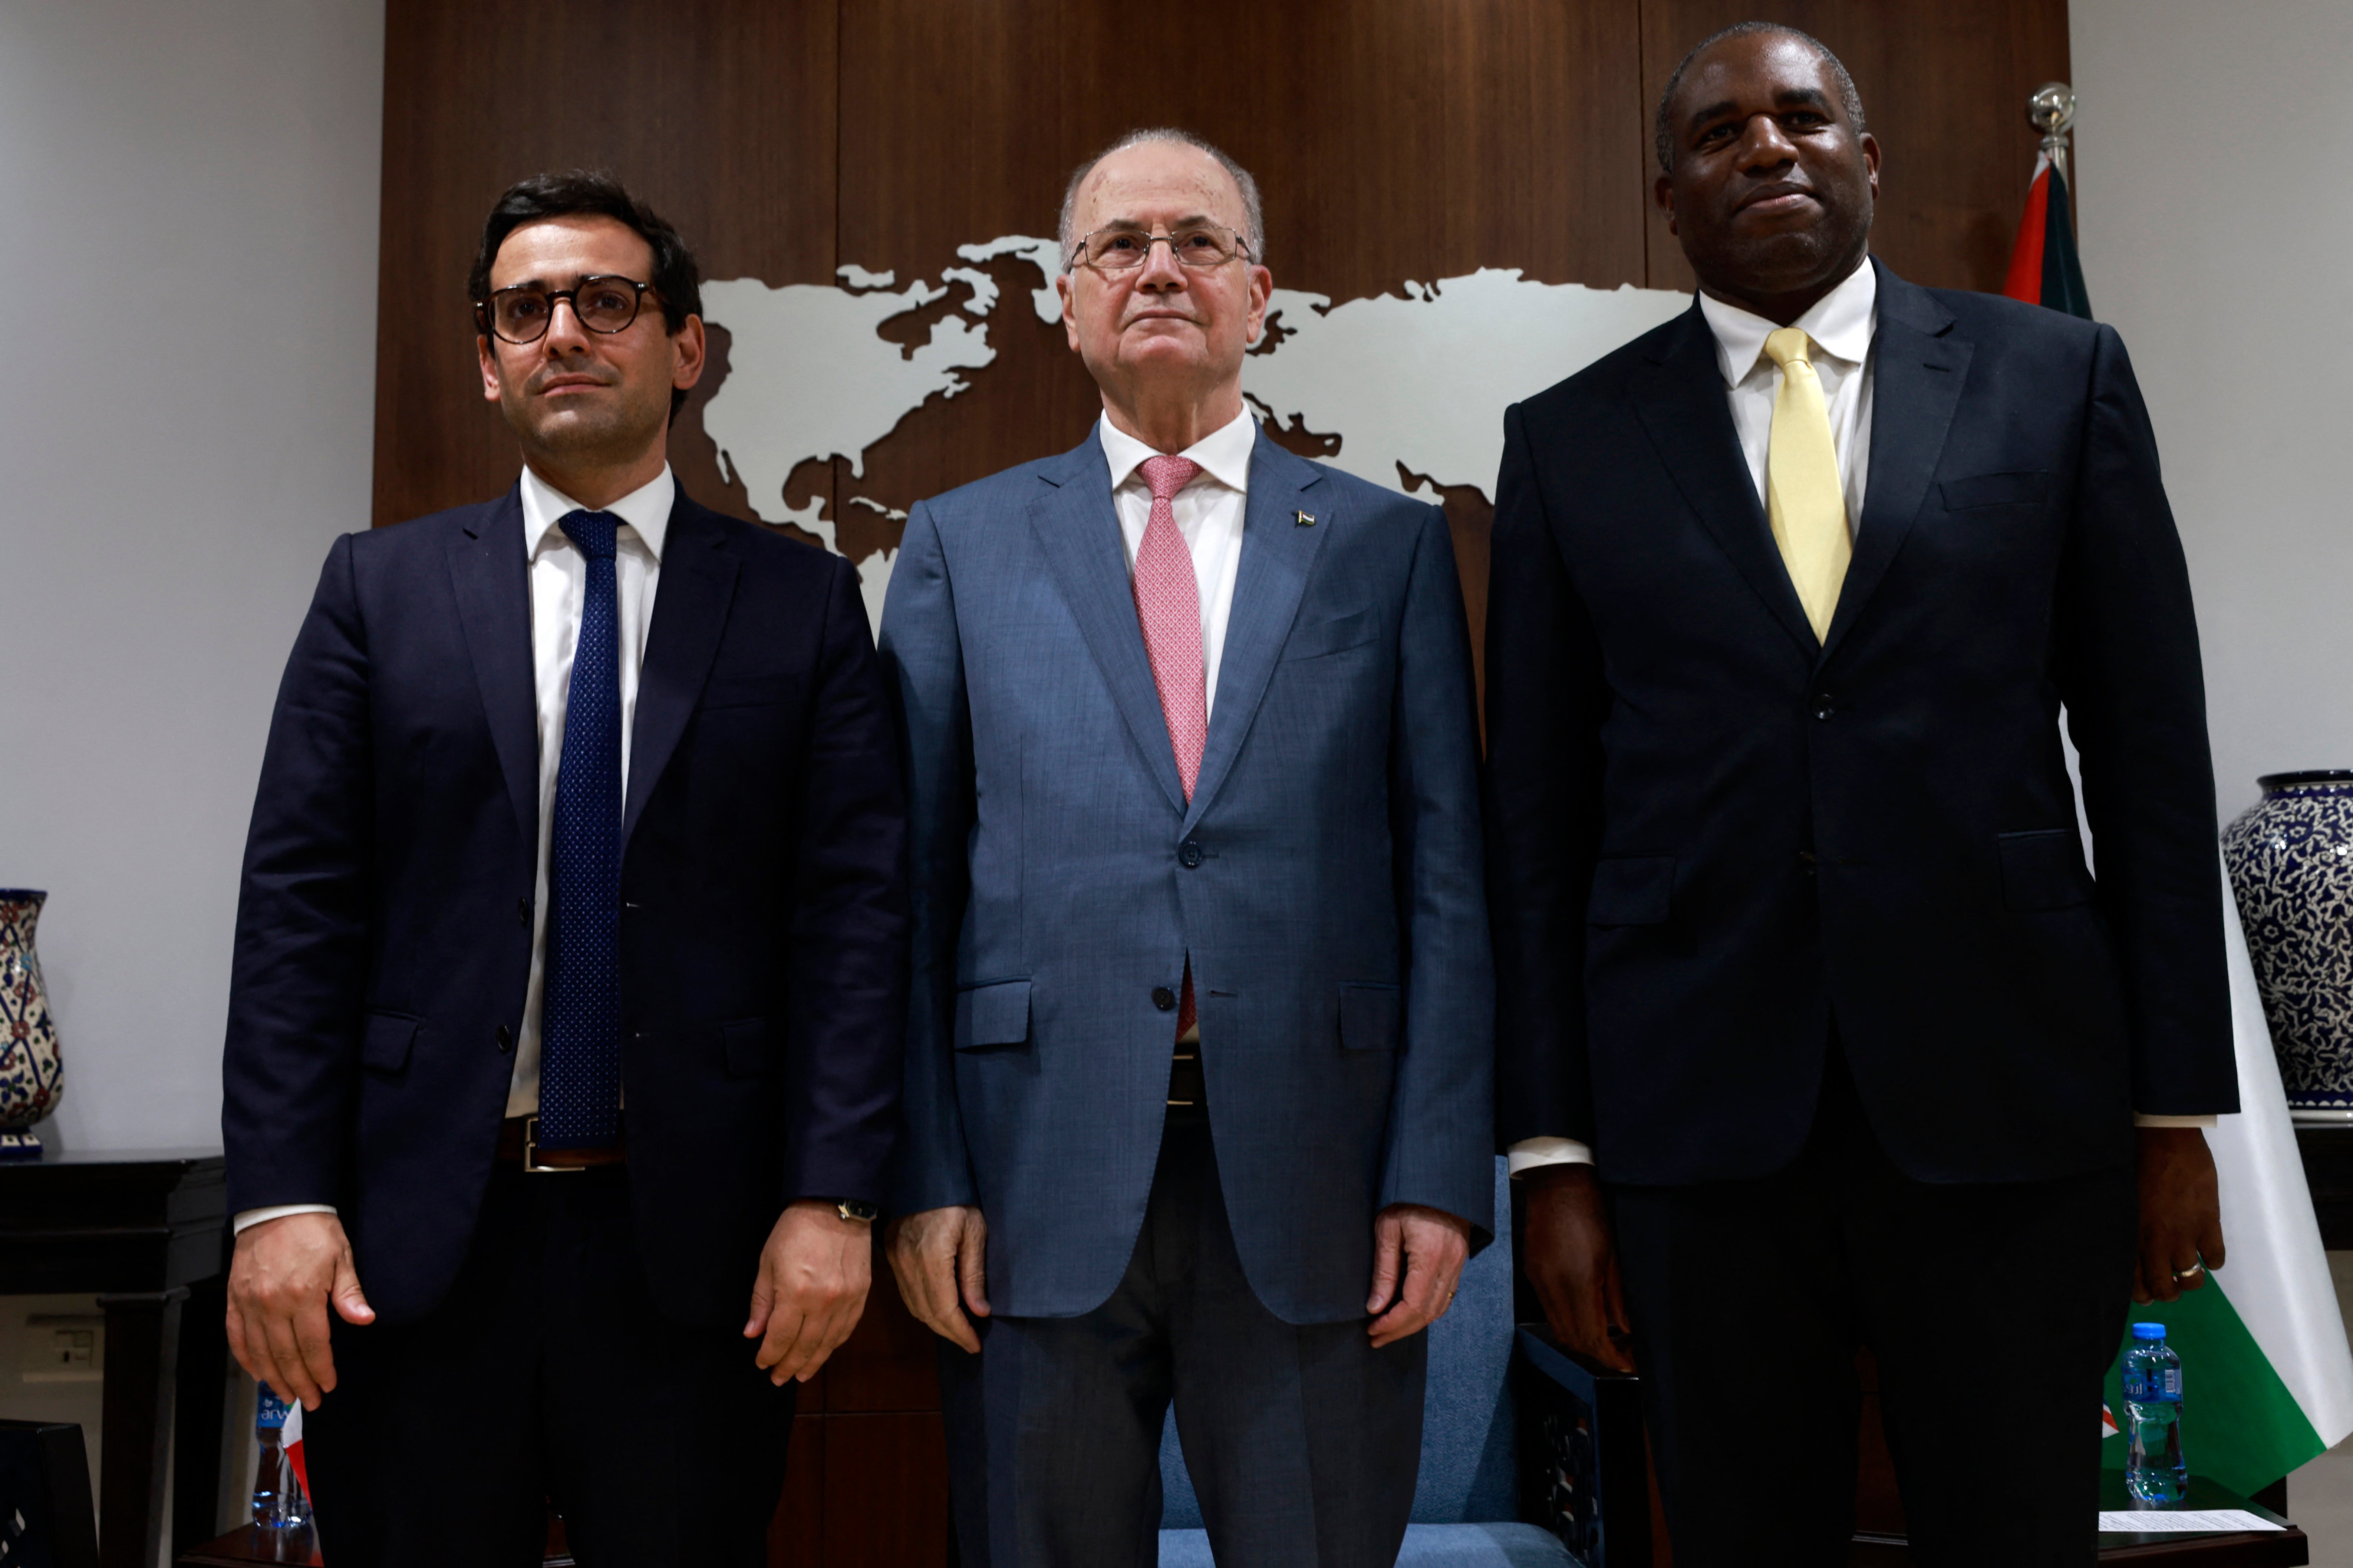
[[2155, 1470], [277, 1500]]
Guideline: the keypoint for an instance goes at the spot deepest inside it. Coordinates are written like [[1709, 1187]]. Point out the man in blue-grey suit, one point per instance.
[[1197, 1101]]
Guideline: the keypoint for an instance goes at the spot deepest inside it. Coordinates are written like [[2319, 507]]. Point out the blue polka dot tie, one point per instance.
[[580, 1031]]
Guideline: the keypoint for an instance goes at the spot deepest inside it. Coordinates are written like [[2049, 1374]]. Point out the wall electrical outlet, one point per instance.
[[60, 1348]]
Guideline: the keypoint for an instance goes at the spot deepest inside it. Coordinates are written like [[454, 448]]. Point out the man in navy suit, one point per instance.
[[1199, 1097], [1796, 942], [570, 967]]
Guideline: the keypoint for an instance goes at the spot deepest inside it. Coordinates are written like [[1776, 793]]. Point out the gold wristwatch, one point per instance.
[[857, 1209]]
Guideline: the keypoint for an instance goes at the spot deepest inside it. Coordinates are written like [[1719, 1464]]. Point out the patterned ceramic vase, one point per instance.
[[2291, 860], [31, 1075]]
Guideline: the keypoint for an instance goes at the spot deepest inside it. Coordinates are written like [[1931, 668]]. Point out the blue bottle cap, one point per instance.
[[2148, 1331]]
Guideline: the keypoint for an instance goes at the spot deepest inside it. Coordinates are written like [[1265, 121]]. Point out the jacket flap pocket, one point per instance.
[[996, 1014], [1372, 1017], [1995, 489], [747, 1043], [749, 691], [1631, 891], [2044, 869], [386, 1040], [1335, 636]]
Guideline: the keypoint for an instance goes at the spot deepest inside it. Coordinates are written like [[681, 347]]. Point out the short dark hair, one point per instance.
[[1664, 129], [678, 276]]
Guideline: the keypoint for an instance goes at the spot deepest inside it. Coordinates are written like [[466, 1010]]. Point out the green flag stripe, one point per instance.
[[2240, 1425], [2062, 273]]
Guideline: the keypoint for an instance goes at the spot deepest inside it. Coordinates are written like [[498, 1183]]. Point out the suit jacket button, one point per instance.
[[1823, 706], [1188, 854], [506, 1039], [1164, 998], [523, 912]]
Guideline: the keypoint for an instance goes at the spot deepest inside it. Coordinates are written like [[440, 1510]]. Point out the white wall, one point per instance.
[[189, 192], [2212, 150]]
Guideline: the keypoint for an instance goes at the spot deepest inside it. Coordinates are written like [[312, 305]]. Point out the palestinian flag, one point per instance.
[[2267, 1378], [291, 1439], [2044, 267]]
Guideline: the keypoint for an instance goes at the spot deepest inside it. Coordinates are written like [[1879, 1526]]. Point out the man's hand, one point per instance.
[[284, 1273], [812, 1289], [938, 1258], [1428, 1248], [1572, 1261], [2181, 1216]]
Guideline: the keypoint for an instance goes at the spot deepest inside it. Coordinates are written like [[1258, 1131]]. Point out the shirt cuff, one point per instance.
[[1529, 1153], [2141, 1120], [249, 1217]]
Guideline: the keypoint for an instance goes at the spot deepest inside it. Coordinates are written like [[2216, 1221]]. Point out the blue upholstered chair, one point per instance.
[[1467, 1502]]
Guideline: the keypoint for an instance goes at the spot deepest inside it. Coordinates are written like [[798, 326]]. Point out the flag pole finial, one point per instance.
[[2051, 110]]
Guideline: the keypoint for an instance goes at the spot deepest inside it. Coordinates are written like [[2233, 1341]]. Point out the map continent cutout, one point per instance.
[[1411, 385]]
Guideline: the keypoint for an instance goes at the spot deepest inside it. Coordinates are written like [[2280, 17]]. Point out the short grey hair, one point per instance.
[[1664, 129], [1253, 217]]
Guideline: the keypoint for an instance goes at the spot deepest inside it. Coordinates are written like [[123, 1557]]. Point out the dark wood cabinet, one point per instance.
[[145, 1232]]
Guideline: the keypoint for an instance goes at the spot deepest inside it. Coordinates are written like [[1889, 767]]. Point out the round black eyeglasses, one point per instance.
[[520, 313]]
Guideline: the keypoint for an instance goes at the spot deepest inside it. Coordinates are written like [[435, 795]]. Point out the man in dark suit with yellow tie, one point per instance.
[[1815, 1030]]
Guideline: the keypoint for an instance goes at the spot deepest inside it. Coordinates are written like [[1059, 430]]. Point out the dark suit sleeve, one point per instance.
[[1546, 698], [848, 976], [298, 964], [924, 655], [1441, 1131], [2129, 674]]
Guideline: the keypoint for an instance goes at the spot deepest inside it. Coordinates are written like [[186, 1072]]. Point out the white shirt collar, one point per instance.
[[1224, 454], [646, 510], [1840, 324]]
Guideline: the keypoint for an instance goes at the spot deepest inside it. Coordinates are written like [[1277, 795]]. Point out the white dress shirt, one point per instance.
[[1208, 514], [559, 589], [1841, 324]]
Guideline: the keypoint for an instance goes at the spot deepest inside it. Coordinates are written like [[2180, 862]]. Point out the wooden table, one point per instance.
[[250, 1544], [2249, 1548], [146, 1231]]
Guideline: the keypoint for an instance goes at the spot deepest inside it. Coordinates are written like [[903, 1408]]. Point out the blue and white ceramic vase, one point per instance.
[[2291, 860], [31, 1074]]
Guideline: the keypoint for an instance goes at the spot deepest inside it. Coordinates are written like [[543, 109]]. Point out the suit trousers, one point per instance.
[[1993, 1312], [548, 1373], [1303, 1441]]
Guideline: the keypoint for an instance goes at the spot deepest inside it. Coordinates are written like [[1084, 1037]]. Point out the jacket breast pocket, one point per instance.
[[1982, 491], [386, 1040], [1372, 1017], [1631, 891], [749, 1046], [1320, 639], [2044, 869], [995, 1015]]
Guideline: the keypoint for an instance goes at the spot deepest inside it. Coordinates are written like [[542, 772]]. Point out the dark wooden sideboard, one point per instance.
[[2329, 1169], [145, 1232]]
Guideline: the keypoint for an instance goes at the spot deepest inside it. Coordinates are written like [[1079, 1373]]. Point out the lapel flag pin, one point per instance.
[[1304, 519]]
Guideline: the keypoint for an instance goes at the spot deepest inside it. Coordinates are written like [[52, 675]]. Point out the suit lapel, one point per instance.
[[489, 573], [698, 581], [1916, 386], [1077, 528], [1680, 396], [1268, 583]]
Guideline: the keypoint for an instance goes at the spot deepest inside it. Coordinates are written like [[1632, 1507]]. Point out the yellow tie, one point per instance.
[[1804, 500]]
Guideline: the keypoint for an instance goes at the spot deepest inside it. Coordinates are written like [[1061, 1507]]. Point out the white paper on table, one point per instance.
[[2171, 1521]]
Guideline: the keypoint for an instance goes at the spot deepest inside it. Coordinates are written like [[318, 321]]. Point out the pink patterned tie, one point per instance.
[[1168, 602]]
